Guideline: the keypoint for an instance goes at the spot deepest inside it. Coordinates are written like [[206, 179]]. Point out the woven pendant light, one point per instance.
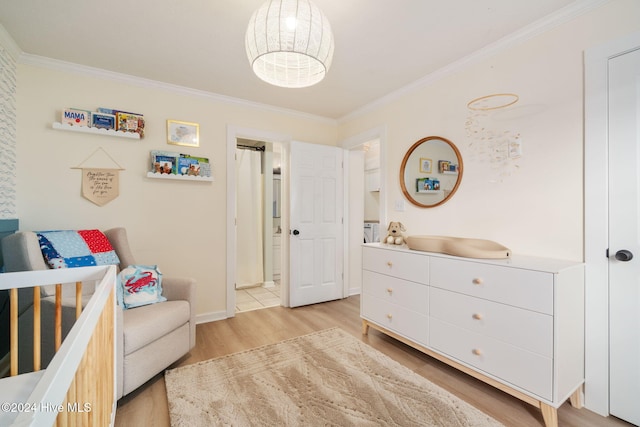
[[289, 43]]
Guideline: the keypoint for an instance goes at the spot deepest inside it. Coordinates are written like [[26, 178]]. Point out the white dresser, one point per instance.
[[517, 324]]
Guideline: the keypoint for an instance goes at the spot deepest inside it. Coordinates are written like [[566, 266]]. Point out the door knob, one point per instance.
[[624, 255], [296, 232]]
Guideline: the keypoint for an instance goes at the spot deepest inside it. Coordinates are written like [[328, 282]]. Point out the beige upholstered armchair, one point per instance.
[[148, 338]]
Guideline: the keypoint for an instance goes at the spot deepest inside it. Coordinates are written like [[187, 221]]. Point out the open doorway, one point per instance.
[[365, 200], [364, 205], [258, 224], [233, 134]]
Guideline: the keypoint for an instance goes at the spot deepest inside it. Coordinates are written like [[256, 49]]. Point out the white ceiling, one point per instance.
[[381, 45]]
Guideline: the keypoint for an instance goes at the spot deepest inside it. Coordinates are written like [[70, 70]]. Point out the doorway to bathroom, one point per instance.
[[258, 224]]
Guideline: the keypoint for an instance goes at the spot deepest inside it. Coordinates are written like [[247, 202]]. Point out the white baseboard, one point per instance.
[[210, 317], [354, 291], [269, 284]]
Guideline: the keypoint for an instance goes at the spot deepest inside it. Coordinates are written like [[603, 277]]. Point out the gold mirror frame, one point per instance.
[[431, 163]]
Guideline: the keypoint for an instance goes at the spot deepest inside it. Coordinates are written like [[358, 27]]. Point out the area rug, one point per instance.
[[326, 378]]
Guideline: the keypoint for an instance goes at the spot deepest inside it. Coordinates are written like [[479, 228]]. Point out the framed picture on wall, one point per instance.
[[425, 165], [183, 133]]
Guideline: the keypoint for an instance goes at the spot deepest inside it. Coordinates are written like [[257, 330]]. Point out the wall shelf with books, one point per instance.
[[179, 177], [185, 167], [95, 131]]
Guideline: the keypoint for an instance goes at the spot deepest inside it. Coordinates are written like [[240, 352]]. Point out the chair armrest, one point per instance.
[[174, 289]]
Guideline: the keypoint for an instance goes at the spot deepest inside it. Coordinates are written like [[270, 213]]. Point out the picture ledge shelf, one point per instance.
[[179, 177], [95, 131]]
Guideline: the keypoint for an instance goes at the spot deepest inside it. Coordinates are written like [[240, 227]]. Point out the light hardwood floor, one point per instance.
[[147, 406]]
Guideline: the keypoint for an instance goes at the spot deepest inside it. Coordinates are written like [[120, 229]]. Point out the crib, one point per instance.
[[78, 386]]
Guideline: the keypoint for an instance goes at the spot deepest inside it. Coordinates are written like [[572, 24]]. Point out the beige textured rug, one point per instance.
[[326, 378]]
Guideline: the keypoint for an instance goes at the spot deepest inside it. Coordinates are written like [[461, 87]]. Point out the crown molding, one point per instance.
[[530, 31], [99, 73], [9, 44], [569, 12]]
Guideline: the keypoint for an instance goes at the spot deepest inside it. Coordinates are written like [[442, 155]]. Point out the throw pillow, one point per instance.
[[139, 285]]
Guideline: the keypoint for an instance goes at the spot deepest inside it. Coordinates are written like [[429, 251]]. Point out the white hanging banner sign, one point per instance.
[[100, 186]]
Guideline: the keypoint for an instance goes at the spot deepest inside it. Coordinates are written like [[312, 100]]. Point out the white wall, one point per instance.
[[181, 226], [538, 210]]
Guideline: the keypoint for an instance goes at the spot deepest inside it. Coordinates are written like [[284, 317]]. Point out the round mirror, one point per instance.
[[431, 171]]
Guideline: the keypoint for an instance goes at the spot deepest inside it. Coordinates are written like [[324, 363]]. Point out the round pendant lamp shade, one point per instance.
[[289, 43]]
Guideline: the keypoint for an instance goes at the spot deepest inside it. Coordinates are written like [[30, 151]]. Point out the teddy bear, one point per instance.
[[394, 234]]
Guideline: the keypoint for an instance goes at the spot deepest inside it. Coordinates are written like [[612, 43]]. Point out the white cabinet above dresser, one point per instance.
[[516, 323]]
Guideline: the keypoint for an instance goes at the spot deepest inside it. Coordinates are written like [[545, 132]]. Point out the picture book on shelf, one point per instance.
[[164, 162], [76, 117], [103, 121], [129, 122], [193, 166]]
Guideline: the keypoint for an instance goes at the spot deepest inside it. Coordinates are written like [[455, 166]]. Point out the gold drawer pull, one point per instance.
[[390, 264], [389, 316], [478, 281], [477, 352], [477, 316], [390, 290]]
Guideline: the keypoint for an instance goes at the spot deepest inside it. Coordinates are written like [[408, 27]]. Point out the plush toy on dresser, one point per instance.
[[394, 234]]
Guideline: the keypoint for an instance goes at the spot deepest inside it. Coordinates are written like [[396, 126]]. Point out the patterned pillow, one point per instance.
[[139, 285], [68, 248]]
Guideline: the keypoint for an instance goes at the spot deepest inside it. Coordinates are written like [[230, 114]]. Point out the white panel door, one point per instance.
[[316, 235], [624, 236]]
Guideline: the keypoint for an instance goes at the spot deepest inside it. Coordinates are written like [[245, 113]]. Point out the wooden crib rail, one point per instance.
[[37, 324], [36, 328], [13, 330], [80, 379]]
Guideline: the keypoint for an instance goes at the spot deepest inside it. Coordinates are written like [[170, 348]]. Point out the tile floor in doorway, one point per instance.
[[256, 298]]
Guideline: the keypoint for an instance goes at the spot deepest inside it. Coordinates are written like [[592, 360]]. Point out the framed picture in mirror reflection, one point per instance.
[[425, 165]]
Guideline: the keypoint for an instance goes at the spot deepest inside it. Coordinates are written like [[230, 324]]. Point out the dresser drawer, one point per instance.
[[404, 293], [522, 328], [523, 288], [408, 323], [526, 370], [404, 265]]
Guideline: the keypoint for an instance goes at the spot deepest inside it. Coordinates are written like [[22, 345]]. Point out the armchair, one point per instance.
[[148, 338]]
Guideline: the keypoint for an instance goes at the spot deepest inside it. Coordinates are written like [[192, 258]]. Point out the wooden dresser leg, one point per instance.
[[549, 414], [576, 398], [365, 327]]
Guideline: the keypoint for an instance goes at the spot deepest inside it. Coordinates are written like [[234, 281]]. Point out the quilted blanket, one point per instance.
[[76, 248]]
